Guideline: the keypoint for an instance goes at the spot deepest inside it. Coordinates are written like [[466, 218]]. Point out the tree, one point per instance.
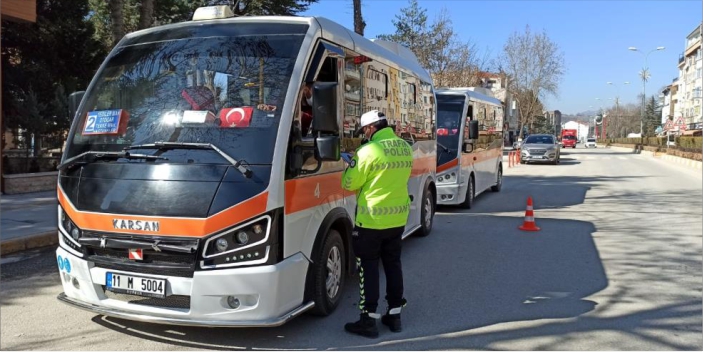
[[113, 21], [411, 31], [359, 23], [534, 66], [437, 47], [542, 125], [452, 63], [57, 53], [652, 117]]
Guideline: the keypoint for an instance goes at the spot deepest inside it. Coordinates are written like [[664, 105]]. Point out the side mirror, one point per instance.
[[74, 101], [327, 148], [473, 129], [324, 108], [468, 147]]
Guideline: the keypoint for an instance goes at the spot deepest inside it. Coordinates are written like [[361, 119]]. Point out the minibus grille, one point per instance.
[[173, 301], [172, 257]]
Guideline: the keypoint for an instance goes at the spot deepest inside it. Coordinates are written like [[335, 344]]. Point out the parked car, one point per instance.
[[540, 148], [591, 142], [516, 145]]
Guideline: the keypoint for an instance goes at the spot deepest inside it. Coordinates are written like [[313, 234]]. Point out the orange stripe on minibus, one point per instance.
[[468, 159], [448, 165], [424, 165], [168, 226], [303, 193]]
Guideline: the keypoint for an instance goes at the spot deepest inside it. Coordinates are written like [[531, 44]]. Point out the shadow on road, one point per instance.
[[471, 279], [476, 272], [543, 190]]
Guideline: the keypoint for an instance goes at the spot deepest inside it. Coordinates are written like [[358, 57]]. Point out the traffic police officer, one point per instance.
[[379, 173]]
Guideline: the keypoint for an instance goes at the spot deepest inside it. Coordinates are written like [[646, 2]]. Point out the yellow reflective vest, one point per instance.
[[379, 173]]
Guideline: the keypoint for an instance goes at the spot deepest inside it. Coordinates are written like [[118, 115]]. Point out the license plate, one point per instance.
[[136, 285]]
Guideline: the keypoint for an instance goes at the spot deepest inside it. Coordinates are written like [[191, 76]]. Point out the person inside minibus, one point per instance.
[[327, 74]]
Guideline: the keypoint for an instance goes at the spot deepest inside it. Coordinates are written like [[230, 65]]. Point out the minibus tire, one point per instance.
[[323, 305], [470, 193], [499, 180], [425, 228]]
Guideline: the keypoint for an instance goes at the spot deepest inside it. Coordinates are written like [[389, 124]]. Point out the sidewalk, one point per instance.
[[27, 221]]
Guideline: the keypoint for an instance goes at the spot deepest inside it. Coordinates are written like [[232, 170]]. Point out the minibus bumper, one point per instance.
[[267, 296], [451, 194]]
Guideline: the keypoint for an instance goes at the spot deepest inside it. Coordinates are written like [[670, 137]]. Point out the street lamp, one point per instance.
[[645, 76], [600, 111]]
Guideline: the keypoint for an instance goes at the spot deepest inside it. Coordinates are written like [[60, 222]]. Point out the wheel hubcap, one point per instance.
[[428, 213], [334, 272]]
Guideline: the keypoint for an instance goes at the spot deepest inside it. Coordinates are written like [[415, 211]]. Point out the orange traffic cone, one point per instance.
[[529, 224]]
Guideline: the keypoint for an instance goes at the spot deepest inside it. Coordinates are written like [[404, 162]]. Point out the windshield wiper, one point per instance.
[[443, 147], [93, 156], [241, 167]]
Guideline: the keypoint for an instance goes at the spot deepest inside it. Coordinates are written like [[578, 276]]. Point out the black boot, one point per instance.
[[366, 326], [392, 320]]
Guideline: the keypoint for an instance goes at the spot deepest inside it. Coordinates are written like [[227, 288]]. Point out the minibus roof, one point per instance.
[[386, 52]]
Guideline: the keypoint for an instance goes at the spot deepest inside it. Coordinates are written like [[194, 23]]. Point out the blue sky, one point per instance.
[[594, 36]]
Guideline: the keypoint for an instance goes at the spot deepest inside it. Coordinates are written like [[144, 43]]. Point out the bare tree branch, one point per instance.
[[534, 66]]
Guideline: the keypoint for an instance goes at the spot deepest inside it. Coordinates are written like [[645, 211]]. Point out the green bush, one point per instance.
[[690, 142]]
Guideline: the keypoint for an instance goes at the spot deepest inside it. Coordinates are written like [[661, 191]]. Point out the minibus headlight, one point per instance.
[[239, 241], [221, 244], [243, 237], [448, 177], [70, 233]]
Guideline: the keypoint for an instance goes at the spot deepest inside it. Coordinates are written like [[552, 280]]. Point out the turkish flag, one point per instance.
[[236, 117], [442, 132]]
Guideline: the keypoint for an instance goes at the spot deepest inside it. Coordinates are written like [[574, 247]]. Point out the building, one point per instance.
[[691, 82], [16, 11], [498, 85], [665, 104], [581, 128], [554, 118]]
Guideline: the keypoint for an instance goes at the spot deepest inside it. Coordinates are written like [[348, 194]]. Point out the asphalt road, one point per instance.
[[616, 266]]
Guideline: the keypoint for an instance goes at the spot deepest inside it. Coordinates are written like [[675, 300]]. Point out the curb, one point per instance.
[[671, 159], [29, 242], [694, 164], [9, 207]]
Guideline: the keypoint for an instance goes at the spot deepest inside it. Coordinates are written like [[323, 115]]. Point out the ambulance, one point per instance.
[[201, 182], [470, 132]]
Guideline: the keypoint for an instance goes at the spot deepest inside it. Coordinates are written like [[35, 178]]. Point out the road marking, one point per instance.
[[622, 158]]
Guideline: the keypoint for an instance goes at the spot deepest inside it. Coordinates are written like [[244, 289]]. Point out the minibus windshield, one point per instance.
[[450, 109], [227, 91]]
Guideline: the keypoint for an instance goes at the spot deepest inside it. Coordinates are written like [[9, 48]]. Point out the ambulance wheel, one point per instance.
[[427, 213], [470, 193], [329, 274]]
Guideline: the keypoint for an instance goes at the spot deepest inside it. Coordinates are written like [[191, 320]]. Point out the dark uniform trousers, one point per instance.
[[370, 246]]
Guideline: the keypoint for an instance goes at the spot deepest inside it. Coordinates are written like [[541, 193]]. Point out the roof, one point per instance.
[[469, 92], [483, 74], [391, 53]]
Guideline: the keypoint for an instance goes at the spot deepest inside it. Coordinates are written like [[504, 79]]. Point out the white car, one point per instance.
[[590, 142]]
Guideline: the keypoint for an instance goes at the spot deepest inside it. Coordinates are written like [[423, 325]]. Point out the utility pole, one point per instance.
[[359, 23]]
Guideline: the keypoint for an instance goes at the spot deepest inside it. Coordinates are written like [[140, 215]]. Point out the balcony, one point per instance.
[[682, 58]]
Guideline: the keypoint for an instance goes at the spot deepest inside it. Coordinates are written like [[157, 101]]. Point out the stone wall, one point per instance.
[[27, 183], [21, 165]]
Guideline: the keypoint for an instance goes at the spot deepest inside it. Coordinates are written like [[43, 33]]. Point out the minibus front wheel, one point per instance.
[[329, 273]]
